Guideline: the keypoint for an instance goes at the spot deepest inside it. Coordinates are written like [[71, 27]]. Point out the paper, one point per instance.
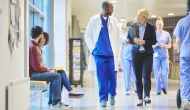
[[76, 75], [11, 38], [13, 14], [1, 4], [21, 5]]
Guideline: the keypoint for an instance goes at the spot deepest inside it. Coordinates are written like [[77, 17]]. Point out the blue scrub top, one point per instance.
[[126, 54], [103, 46], [182, 30], [163, 38]]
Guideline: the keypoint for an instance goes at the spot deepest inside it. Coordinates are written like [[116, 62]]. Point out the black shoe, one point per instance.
[[75, 95], [140, 104], [158, 93], [164, 91], [147, 101]]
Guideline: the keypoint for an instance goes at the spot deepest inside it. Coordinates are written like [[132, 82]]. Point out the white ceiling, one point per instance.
[[85, 9]]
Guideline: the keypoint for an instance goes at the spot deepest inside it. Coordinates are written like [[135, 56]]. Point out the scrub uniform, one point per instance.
[[161, 62], [182, 31], [127, 67], [104, 60]]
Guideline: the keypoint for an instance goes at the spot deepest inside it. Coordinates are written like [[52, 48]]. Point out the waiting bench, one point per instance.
[[42, 84]]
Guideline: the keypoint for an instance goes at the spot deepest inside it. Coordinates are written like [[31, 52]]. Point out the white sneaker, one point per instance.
[[60, 106], [49, 106], [186, 105]]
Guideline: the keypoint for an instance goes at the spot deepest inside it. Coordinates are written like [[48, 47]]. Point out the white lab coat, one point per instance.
[[92, 33]]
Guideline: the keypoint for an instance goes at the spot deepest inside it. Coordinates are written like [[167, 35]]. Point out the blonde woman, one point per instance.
[[142, 54], [161, 62]]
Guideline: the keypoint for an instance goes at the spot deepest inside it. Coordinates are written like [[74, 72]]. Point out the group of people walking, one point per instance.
[[142, 49]]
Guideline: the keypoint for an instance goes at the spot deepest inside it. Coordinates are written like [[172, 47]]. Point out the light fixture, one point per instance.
[[153, 16], [122, 19], [170, 14], [113, 1]]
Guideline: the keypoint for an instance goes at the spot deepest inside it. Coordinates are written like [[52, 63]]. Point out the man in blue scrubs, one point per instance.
[[101, 36], [182, 32]]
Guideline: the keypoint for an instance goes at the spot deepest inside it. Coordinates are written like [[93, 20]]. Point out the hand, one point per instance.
[[53, 70], [162, 45], [119, 62], [140, 42], [136, 40], [127, 41], [158, 44]]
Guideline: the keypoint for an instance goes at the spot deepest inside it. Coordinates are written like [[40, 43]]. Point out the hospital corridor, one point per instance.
[[94, 54]]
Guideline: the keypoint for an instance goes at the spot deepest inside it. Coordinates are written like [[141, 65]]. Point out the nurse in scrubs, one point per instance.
[[160, 60], [124, 57], [182, 33]]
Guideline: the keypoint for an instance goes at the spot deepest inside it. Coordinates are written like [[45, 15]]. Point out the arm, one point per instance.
[[156, 45], [34, 61], [88, 36], [166, 45], [151, 41], [178, 41]]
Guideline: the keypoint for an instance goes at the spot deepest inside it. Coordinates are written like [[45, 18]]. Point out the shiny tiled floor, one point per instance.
[[123, 102]]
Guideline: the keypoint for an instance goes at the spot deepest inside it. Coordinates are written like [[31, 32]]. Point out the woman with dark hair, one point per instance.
[[64, 80]]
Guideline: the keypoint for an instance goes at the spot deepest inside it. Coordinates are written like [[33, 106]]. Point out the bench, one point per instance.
[[39, 83]]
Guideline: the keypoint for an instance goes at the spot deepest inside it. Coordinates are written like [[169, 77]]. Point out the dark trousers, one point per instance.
[[142, 65]]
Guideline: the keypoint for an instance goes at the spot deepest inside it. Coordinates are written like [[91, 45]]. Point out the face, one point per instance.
[[109, 10], [159, 26], [140, 18], [42, 40]]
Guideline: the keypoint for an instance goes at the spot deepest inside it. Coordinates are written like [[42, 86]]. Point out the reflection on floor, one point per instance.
[[123, 102]]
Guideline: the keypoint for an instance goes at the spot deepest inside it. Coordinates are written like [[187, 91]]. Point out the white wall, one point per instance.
[[62, 21], [11, 64]]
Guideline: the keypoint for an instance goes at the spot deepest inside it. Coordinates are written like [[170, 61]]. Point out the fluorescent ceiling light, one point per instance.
[[113, 1], [153, 16], [170, 14], [123, 19]]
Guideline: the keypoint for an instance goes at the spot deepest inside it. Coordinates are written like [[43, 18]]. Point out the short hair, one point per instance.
[[144, 13], [159, 20], [188, 4], [46, 36], [105, 4], [36, 31]]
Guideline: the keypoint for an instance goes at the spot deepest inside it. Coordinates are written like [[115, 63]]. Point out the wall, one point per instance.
[[75, 27], [11, 64], [62, 22]]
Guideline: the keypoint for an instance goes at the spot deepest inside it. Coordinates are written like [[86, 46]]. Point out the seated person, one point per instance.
[[64, 80], [40, 73]]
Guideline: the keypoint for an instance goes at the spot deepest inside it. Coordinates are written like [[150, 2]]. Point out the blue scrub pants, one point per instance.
[[106, 76], [128, 72], [185, 78], [161, 71]]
